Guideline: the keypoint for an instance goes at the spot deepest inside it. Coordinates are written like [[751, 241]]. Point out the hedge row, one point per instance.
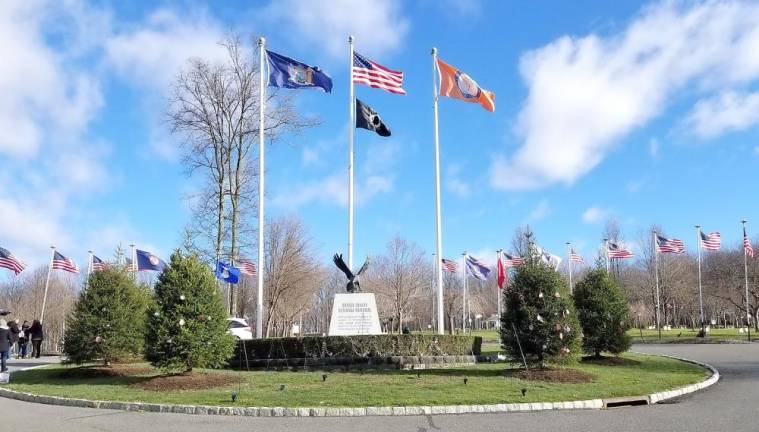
[[317, 347]]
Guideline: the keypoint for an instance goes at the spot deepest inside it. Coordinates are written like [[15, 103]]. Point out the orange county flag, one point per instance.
[[457, 84]]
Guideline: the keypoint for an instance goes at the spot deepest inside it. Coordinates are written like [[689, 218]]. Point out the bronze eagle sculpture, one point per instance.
[[353, 281]]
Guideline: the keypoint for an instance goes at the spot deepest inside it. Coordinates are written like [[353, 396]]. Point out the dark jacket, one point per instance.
[[13, 327], [5, 340], [27, 336], [36, 331]]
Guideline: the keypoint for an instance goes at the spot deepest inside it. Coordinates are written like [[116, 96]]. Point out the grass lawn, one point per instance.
[[685, 333], [486, 385]]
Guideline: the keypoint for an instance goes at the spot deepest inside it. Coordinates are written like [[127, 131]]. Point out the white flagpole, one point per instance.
[[497, 288], [261, 151], [569, 266], [47, 283], [351, 130], [463, 294], [606, 249], [438, 222], [432, 289], [89, 268], [134, 260], [745, 276], [656, 276], [700, 295]]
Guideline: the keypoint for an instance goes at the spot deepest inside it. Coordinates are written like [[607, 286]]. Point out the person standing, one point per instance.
[[37, 336], [5, 344], [13, 327], [23, 339]]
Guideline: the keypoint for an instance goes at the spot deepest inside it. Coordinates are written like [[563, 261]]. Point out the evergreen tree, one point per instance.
[[603, 313], [539, 308], [187, 324], [108, 319]]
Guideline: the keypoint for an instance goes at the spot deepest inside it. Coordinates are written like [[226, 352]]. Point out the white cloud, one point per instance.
[[728, 111], [587, 93], [540, 211], [378, 25], [152, 53], [455, 183], [594, 215]]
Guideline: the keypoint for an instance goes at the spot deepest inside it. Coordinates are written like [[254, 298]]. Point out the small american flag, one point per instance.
[[98, 264], [747, 244], [128, 265], [374, 75], [60, 262], [711, 241], [665, 245], [9, 261], [575, 257], [247, 267], [512, 260], [615, 251], [449, 265]]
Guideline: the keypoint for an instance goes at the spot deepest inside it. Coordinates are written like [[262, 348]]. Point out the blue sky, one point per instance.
[[645, 113]]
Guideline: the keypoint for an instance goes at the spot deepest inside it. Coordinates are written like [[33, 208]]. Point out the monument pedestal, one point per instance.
[[354, 314]]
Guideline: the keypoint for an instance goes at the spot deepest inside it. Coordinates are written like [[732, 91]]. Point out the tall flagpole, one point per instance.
[[47, 283], [89, 268], [351, 130], [569, 266], [463, 294], [606, 249], [438, 222], [745, 276], [261, 151], [497, 288], [700, 295], [656, 276], [432, 289]]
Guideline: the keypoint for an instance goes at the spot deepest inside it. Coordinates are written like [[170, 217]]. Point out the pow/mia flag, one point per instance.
[[367, 118]]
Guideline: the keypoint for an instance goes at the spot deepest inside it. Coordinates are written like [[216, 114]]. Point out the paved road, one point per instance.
[[730, 405]]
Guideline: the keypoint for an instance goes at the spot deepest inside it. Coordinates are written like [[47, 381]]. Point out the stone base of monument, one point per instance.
[[354, 314]]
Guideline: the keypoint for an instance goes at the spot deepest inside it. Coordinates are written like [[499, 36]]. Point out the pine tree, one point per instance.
[[539, 308], [187, 324], [108, 319], [603, 313]]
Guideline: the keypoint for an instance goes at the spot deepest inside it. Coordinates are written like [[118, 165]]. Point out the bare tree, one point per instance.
[[292, 275], [215, 107], [399, 277]]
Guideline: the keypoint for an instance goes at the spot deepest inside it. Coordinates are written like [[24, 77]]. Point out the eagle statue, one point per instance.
[[353, 282]]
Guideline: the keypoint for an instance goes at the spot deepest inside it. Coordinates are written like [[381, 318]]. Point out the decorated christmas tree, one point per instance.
[[187, 324], [603, 314], [108, 319], [539, 320]]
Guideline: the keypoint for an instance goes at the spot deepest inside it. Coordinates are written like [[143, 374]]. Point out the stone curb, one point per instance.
[[354, 412]]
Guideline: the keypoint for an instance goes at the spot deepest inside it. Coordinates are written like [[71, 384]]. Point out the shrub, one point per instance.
[[362, 346], [539, 308], [187, 324], [108, 319], [603, 314]]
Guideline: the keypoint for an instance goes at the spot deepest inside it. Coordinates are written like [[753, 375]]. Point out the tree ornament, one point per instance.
[[182, 297], [181, 322], [539, 318]]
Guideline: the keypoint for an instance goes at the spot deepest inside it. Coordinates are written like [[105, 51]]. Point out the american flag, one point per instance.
[[247, 267], [374, 75], [9, 261], [575, 257], [98, 264], [615, 251], [449, 265], [711, 241], [60, 262], [665, 245], [512, 260], [747, 244], [128, 265]]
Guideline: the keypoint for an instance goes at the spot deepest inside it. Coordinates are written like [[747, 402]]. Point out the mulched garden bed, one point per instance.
[[610, 361], [187, 381], [565, 376]]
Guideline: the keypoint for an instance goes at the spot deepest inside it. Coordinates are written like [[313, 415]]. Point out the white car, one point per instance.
[[239, 328]]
